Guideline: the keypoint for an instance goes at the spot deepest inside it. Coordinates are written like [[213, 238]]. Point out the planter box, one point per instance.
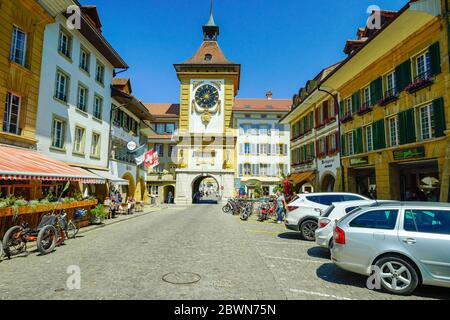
[[6, 212]]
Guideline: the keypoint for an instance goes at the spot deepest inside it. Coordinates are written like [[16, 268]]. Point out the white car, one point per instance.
[[303, 213], [324, 233]]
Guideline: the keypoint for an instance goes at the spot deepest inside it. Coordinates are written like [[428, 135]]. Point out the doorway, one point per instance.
[[205, 190]]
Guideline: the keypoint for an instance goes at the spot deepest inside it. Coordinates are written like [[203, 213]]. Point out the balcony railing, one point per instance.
[[423, 80], [389, 96], [346, 118], [365, 108]]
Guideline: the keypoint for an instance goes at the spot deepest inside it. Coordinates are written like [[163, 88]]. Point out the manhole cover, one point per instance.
[[182, 278]]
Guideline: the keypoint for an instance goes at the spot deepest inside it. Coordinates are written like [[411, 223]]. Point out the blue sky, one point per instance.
[[280, 43]]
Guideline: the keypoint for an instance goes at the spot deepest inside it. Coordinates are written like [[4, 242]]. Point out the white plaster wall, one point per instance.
[[48, 106]]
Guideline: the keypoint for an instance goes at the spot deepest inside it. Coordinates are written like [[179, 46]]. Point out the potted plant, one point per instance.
[[98, 214]]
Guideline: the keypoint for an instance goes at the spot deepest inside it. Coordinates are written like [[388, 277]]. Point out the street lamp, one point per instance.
[[336, 102]]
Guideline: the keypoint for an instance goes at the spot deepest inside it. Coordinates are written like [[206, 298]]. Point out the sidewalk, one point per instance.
[[31, 246]]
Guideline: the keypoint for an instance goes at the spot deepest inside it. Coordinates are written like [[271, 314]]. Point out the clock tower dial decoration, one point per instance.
[[206, 100]]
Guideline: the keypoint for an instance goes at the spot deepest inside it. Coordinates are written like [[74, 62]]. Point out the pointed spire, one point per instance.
[[211, 22], [211, 30]]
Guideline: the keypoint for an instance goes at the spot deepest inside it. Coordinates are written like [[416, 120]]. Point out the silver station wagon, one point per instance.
[[400, 245]]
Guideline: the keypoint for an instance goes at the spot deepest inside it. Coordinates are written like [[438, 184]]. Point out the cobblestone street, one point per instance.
[[234, 259]]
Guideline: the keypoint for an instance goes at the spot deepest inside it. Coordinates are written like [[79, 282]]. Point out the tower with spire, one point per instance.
[[211, 30]]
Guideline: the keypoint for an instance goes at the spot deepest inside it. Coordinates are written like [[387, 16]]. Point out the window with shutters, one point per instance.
[[391, 88], [369, 138], [79, 140], [427, 127], [247, 149], [247, 169], [350, 144], [366, 98], [393, 131], [264, 170], [348, 107], [423, 66]]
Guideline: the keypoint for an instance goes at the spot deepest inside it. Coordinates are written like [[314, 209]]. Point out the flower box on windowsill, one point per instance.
[[365, 109], [347, 118], [388, 98], [419, 83], [319, 126]]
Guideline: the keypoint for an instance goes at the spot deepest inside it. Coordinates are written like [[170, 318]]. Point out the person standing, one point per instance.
[[170, 197], [281, 204]]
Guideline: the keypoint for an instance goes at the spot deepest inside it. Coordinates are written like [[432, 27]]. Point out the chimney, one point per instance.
[[269, 95]]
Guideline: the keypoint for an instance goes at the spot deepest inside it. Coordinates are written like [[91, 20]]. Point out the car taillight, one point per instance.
[[292, 208], [323, 223], [339, 235]]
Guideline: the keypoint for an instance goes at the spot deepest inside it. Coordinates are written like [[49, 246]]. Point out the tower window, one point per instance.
[[208, 57]]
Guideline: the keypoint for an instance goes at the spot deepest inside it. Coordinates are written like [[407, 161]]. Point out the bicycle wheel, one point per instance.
[[72, 230], [46, 241], [13, 243]]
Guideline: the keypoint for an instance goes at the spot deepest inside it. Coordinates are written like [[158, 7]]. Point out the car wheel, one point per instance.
[[397, 276], [308, 229]]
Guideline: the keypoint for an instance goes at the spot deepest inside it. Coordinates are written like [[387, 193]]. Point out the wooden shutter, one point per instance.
[[342, 146], [379, 135], [285, 149], [376, 91], [356, 102], [341, 109], [317, 117], [435, 59], [407, 126], [241, 166], [439, 117], [359, 141], [403, 75]]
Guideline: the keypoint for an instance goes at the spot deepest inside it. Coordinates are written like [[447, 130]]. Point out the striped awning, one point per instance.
[[23, 164]]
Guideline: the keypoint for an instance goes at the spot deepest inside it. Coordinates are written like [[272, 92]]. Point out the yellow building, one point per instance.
[[394, 107], [21, 30]]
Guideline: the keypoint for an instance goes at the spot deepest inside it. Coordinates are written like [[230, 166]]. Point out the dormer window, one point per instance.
[[208, 57]]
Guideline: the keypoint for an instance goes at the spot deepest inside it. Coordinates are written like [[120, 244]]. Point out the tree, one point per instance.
[[258, 190]]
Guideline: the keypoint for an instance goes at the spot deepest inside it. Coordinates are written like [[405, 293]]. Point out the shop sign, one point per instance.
[[411, 153], [359, 161]]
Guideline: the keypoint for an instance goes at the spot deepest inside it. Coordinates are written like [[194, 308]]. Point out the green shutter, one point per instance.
[[439, 117], [342, 146], [359, 141], [402, 128], [403, 75], [356, 102], [411, 124], [341, 109], [379, 135], [376, 91], [435, 58]]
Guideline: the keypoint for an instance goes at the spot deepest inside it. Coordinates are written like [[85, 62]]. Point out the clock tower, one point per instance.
[[209, 82]]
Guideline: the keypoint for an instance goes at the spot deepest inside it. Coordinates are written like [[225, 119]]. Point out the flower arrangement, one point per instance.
[[420, 82]]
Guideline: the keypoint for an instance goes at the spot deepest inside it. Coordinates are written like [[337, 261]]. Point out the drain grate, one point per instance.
[[181, 278]]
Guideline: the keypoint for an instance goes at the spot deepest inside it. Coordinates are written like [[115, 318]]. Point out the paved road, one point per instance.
[[234, 259]]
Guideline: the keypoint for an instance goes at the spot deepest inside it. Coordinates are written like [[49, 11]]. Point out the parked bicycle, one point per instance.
[[50, 233], [246, 211], [73, 226]]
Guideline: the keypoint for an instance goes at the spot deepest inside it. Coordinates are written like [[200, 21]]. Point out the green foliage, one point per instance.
[[258, 190], [100, 212], [21, 203]]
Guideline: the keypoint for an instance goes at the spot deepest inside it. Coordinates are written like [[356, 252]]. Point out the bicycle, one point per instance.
[[73, 226]]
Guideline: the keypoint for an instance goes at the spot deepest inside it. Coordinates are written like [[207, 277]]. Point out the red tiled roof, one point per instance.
[[274, 105], [166, 110], [212, 48]]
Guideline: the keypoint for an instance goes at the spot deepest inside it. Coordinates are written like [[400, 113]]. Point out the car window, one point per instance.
[[315, 199], [427, 221], [378, 219], [327, 212], [329, 199], [350, 209], [350, 197]]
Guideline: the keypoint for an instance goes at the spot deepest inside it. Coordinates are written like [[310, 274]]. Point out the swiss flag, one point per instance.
[[151, 159]]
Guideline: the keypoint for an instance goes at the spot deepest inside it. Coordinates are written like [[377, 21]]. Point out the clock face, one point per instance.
[[207, 96]]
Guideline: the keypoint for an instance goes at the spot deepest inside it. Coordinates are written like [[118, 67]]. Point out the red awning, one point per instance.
[[22, 164]]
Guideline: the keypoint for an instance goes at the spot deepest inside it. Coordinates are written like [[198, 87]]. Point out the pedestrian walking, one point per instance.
[[281, 205]]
